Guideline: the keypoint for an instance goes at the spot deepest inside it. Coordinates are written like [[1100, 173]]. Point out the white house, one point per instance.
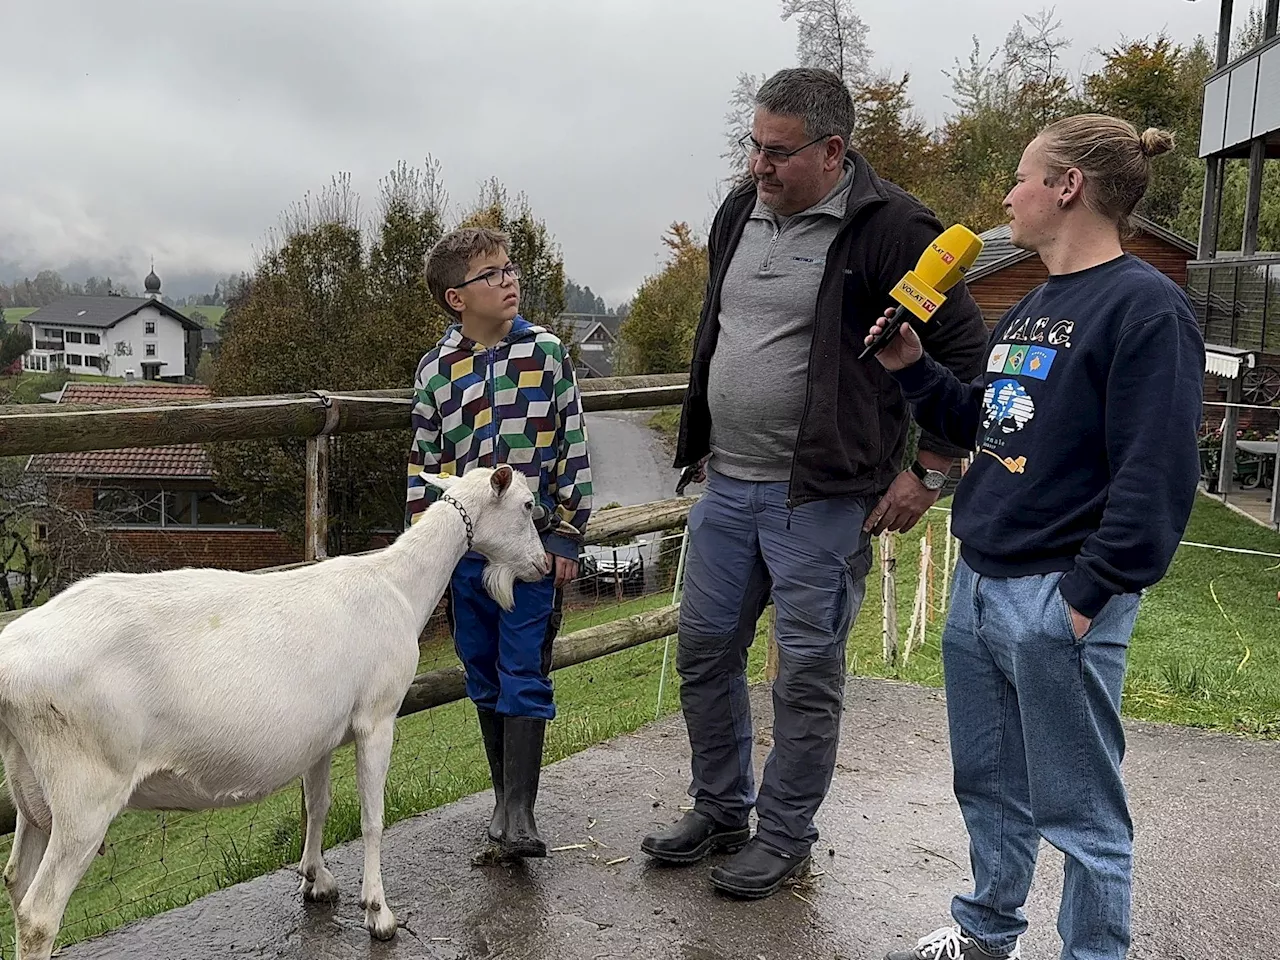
[[114, 336]]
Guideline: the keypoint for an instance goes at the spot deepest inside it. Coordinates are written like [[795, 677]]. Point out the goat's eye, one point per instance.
[[529, 506]]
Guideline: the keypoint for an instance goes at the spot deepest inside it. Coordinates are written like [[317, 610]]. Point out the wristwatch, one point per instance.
[[932, 479]]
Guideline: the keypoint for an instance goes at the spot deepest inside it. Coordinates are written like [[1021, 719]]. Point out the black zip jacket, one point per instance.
[[854, 427]]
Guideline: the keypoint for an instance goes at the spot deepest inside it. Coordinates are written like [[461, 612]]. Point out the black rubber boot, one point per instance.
[[491, 729], [522, 765]]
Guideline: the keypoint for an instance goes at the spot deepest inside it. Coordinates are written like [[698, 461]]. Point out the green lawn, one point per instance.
[[1206, 649], [15, 314], [27, 387], [1206, 652], [211, 314]]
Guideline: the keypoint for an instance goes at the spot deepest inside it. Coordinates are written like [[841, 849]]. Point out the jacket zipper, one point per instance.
[[493, 409], [768, 252]]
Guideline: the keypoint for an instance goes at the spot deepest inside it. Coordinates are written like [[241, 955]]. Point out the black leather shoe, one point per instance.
[[758, 871], [692, 837]]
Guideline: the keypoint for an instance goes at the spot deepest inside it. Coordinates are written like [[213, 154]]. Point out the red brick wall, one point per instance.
[[224, 549]]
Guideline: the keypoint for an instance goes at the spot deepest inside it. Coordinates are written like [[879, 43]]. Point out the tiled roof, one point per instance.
[[187, 461], [100, 312]]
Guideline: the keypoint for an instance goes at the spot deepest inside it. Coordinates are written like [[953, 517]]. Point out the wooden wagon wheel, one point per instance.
[[1262, 385]]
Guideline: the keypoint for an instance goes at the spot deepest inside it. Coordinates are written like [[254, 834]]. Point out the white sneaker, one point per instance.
[[950, 943]]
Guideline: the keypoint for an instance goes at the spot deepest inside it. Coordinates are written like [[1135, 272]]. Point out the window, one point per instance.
[[75, 360], [41, 532], [95, 362], [72, 336], [151, 349], [150, 328], [130, 507], [50, 333], [92, 338], [218, 510]]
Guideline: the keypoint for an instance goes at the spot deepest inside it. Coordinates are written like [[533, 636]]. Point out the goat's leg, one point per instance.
[[81, 815], [317, 882], [373, 758], [29, 843]]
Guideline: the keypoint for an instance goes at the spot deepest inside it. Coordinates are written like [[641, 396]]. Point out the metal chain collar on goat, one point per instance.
[[466, 518]]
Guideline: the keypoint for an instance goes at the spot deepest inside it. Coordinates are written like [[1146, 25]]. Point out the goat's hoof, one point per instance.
[[380, 922], [320, 887]]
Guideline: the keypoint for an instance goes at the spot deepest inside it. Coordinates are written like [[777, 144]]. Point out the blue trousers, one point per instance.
[[744, 545], [1036, 743], [506, 655]]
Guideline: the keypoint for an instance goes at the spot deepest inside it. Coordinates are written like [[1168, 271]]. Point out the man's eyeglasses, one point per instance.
[[752, 148], [494, 278]]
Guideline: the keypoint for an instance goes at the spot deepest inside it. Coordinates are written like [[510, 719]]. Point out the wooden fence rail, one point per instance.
[[55, 428], [58, 428]]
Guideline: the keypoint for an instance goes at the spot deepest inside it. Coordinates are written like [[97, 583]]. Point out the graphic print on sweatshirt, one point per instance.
[[1027, 350]]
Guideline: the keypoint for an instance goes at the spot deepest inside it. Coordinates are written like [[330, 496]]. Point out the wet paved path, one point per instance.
[[1206, 807]]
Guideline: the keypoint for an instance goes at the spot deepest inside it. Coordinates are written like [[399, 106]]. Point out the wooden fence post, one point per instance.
[[315, 544], [889, 597]]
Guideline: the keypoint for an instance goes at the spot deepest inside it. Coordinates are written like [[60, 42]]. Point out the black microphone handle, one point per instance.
[[888, 333]]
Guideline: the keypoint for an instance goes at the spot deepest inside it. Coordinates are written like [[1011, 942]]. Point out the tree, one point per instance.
[[581, 300], [1003, 100], [1154, 82], [1249, 34], [657, 335], [14, 342], [892, 138], [737, 122], [831, 35], [329, 306]]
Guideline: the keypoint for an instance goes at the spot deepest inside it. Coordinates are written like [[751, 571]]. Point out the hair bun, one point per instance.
[[1155, 142]]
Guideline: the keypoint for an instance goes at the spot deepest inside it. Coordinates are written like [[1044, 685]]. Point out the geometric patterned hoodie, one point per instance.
[[515, 403]]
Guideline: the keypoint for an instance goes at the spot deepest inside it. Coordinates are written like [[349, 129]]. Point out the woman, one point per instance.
[[1085, 430]]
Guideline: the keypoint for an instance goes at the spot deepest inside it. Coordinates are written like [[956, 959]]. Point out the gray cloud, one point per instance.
[[181, 130]]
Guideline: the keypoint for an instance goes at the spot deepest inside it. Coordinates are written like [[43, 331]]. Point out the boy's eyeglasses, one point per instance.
[[494, 278], [752, 148]]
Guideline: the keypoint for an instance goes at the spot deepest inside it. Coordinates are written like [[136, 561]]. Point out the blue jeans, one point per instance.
[[506, 654], [1036, 742], [744, 544]]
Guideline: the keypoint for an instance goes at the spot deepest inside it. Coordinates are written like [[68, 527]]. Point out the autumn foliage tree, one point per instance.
[[657, 336], [335, 304]]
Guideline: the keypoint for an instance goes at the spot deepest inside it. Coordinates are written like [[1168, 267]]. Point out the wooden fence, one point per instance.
[[57, 428]]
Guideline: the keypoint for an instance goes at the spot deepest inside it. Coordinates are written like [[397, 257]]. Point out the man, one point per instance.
[[802, 444], [1085, 424]]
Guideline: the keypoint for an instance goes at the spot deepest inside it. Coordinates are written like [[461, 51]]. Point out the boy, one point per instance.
[[497, 389]]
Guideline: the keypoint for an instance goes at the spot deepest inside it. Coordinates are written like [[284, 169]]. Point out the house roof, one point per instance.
[[101, 312], [584, 323], [998, 251], [187, 461]]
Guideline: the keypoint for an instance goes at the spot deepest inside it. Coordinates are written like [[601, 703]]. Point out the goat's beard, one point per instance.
[[499, 583]]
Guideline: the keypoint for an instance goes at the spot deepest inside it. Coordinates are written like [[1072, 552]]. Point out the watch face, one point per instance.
[[934, 480]]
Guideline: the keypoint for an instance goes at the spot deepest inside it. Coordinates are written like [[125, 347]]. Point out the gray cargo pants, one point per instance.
[[745, 544]]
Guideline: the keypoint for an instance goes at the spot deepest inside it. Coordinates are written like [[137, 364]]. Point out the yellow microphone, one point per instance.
[[923, 290]]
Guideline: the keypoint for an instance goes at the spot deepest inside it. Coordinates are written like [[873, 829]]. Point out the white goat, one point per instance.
[[194, 689]]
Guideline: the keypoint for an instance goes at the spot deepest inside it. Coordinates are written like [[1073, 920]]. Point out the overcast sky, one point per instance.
[[180, 129]]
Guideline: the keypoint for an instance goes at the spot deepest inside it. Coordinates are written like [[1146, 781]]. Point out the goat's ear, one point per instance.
[[501, 479], [439, 481]]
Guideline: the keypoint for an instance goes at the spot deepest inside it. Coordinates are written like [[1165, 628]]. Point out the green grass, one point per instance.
[[27, 387], [1206, 648], [16, 314], [1192, 662], [211, 314], [667, 422]]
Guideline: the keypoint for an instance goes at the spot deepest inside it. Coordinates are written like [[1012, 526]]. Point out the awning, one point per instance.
[[1229, 362]]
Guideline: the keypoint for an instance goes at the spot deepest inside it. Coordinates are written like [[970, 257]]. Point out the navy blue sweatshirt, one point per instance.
[[1085, 426]]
